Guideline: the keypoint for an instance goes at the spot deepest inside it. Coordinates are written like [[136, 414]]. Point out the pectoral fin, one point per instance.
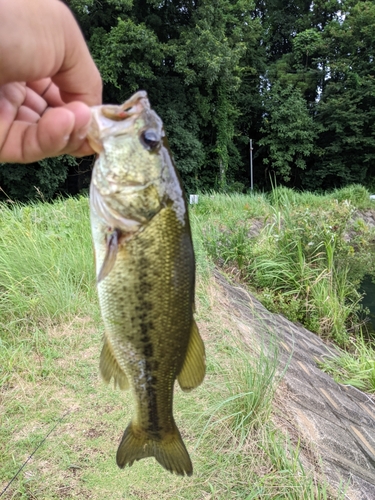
[[109, 367], [110, 255], [194, 367]]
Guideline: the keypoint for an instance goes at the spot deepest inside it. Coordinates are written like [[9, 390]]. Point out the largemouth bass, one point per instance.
[[146, 277]]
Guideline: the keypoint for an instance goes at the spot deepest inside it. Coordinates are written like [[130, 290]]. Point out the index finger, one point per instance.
[[78, 78], [41, 39]]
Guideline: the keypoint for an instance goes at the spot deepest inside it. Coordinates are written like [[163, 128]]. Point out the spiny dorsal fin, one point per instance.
[[194, 367]]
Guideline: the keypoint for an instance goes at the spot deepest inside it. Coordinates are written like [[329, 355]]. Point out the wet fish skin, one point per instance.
[[146, 278]]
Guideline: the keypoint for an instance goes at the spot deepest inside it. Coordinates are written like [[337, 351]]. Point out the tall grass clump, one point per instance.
[[356, 368], [306, 260], [247, 392], [306, 266], [46, 262], [309, 265], [358, 195]]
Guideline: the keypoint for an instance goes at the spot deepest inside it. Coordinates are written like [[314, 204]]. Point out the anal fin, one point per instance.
[[109, 367], [194, 367]]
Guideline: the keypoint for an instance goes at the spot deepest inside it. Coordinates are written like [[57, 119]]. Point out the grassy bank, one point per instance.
[[303, 254], [50, 343]]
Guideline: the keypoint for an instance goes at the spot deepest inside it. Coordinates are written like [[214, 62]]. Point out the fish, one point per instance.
[[145, 269]]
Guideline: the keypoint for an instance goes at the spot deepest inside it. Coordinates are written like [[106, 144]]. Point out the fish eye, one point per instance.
[[150, 139]]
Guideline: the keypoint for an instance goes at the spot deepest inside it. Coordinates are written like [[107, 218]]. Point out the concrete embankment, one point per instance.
[[336, 421]]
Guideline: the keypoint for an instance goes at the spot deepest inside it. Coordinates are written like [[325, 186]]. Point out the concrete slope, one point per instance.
[[338, 420]]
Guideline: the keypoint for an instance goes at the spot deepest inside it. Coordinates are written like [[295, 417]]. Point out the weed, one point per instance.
[[46, 263], [356, 367], [302, 263], [247, 392], [357, 194]]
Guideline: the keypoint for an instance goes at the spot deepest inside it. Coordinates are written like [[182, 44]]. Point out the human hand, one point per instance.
[[48, 80]]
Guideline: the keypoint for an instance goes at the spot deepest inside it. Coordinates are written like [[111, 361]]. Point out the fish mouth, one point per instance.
[[111, 120], [133, 106]]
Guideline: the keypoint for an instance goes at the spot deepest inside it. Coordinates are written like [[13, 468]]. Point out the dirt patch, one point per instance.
[[95, 432]]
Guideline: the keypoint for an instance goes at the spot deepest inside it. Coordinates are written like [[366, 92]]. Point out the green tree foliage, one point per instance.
[[280, 21], [346, 146], [36, 180], [330, 61], [127, 56], [215, 57], [296, 76], [289, 133]]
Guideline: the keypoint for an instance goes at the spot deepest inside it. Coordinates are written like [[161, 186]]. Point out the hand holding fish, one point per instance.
[[48, 80]]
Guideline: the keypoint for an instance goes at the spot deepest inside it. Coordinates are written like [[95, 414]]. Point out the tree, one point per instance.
[[35, 180], [280, 20], [330, 61], [289, 133], [213, 57], [346, 110]]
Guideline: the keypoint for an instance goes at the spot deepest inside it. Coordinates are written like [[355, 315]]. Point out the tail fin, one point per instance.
[[170, 452]]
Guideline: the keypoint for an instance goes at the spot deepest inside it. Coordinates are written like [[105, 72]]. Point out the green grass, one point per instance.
[[355, 194], [304, 259], [303, 254], [46, 263], [246, 395], [356, 367], [49, 346]]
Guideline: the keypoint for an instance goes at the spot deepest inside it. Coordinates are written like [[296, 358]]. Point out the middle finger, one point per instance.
[[26, 114], [48, 90], [35, 102]]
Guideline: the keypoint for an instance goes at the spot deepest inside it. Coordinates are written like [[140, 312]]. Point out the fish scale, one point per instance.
[[146, 307], [146, 277]]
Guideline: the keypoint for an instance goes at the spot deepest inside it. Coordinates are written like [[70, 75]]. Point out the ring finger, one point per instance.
[[26, 114]]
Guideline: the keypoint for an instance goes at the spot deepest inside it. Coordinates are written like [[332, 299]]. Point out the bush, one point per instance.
[[306, 263], [24, 182], [357, 194]]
